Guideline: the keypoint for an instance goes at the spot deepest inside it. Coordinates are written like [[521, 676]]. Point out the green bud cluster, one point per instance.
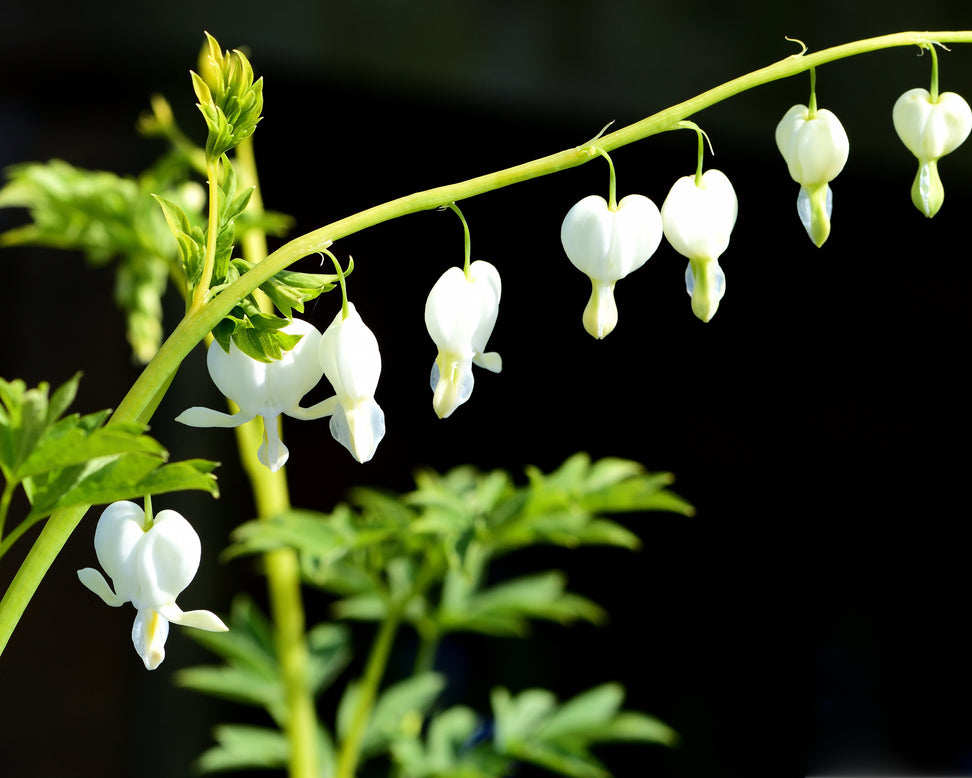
[[229, 99]]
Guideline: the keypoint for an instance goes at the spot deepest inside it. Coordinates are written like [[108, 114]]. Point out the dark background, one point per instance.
[[812, 617]]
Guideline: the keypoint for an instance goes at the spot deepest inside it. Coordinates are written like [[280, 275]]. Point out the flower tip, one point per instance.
[[927, 191], [601, 313], [450, 388], [814, 207]]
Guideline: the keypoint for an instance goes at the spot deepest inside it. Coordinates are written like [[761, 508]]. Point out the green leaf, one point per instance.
[[307, 531], [505, 608], [585, 712], [235, 684], [114, 478], [399, 709], [241, 747], [533, 728], [22, 424], [66, 445], [329, 647], [289, 290]]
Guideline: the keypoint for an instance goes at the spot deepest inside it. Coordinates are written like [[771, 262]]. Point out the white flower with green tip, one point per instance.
[[606, 245], [930, 127], [815, 147], [460, 314], [698, 216], [351, 361]]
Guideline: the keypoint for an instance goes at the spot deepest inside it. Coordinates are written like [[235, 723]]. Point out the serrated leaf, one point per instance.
[[329, 647], [519, 718], [241, 747], [235, 684], [249, 641], [70, 445], [306, 531], [114, 478], [633, 726], [396, 705], [506, 608], [22, 425], [587, 711]]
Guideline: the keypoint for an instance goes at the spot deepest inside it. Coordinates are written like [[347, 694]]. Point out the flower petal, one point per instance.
[[201, 619], [206, 417], [167, 560], [272, 452], [96, 582], [359, 428], [119, 532]]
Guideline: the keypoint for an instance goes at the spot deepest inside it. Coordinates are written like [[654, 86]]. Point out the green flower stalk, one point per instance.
[[815, 146]]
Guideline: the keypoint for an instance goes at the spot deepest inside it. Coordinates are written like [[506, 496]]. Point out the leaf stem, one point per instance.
[[201, 289], [350, 751], [8, 489]]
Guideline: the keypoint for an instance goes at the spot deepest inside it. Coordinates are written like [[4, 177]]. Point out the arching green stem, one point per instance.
[[143, 398]]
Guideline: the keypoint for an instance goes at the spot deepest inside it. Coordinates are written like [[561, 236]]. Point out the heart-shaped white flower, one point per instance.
[[607, 245], [460, 314], [698, 217], [264, 389], [930, 129], [815, 148], [150, 565], [352, 363]]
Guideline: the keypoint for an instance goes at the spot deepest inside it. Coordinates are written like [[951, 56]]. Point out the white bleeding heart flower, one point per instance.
[[150, 564], [264, 389], [930, 128], [460, 314], [351, 361], [815, 148], [698, 217], [607, 245]]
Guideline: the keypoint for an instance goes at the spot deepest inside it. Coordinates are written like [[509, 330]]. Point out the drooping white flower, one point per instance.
[[264, 389], [698, 218], [815, 147], [460, 314], [352, 363], [607, 245], [149, 564], [930, 129]]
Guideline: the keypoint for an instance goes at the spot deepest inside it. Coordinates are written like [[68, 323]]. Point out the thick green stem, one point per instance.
[[141, 401], [272, 497], [347, 760]]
